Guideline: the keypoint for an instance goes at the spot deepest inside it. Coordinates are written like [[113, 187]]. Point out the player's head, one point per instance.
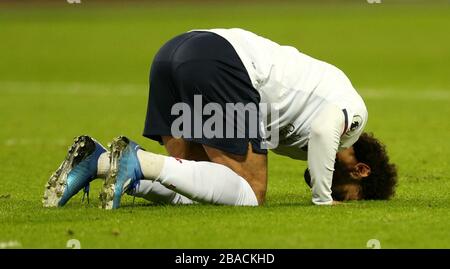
[[363, 171]]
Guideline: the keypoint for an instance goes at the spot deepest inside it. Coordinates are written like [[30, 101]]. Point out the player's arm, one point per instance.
[[326, 130]]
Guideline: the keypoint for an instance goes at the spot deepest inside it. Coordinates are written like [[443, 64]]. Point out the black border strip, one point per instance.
[[245, 257]]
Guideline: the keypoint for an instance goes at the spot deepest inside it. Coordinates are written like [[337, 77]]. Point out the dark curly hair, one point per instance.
[[381, 183]]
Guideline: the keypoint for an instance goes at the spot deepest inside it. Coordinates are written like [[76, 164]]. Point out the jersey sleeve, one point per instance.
[[325, 134], [356, 122]]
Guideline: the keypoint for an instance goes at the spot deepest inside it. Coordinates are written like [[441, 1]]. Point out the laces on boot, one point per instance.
[[133, 189], [86, 193]]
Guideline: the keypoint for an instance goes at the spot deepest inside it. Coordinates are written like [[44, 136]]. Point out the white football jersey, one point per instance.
[[319, 111]]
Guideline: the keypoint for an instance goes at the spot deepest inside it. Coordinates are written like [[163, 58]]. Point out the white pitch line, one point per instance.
[[12, 142], [72, 88], [129, 89], [432, 94]]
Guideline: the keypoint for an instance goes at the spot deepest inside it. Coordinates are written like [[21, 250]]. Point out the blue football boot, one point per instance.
[[124, 174], [77, 170]]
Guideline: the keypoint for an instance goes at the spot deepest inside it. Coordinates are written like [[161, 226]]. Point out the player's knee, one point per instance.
[[247, 195], [260, 195], [258, 185], [259, 190], [177, 148]]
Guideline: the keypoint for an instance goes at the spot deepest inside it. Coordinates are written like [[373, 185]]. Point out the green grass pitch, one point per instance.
[[83, 69]]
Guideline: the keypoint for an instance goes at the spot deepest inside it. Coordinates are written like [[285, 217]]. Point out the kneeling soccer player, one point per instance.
[[314, 114]]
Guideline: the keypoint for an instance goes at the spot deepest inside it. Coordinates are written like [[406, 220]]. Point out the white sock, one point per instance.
[[151, 164], [103, 165], [204, 182], [155, 192]]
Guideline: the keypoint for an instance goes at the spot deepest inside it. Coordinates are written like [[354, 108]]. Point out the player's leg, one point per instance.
[[202, 181], [252, 167], [242, 166]]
